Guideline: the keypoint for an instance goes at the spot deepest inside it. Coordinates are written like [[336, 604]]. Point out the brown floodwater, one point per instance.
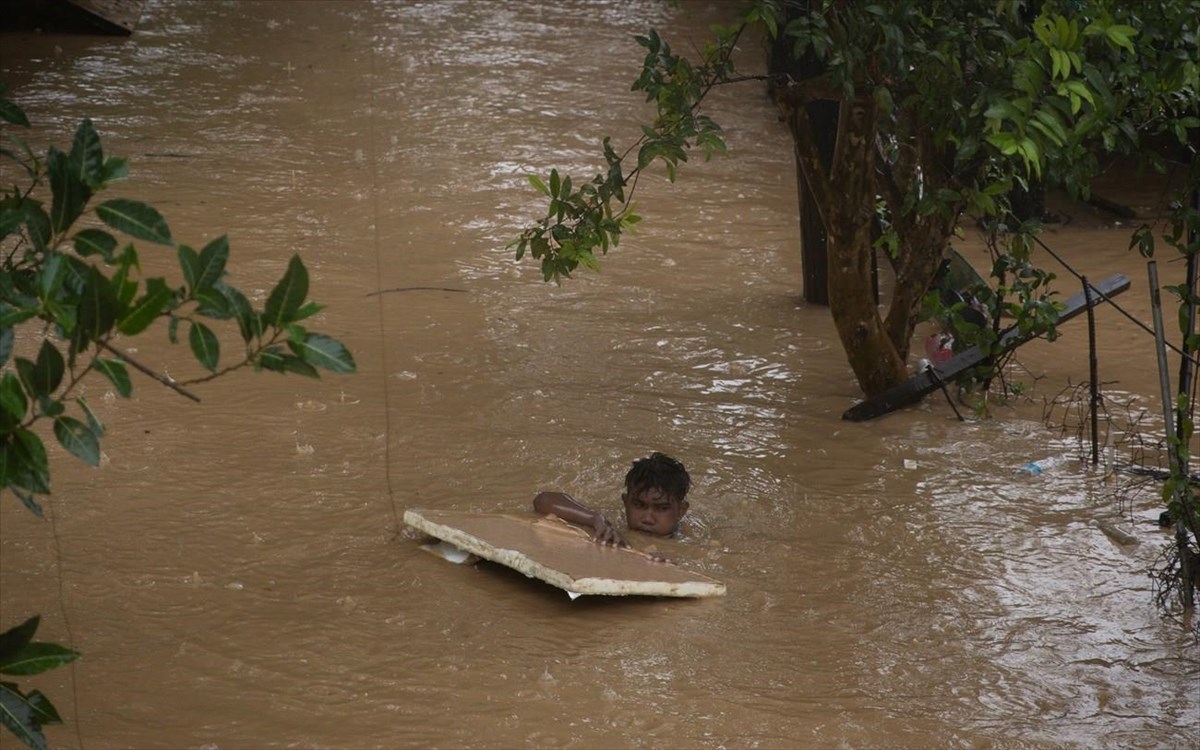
[[235, 573]]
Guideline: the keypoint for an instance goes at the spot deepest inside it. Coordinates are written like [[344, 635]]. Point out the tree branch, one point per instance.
[[148, 372]]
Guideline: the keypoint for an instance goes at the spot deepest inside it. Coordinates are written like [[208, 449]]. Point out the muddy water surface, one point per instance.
[[235, 574]]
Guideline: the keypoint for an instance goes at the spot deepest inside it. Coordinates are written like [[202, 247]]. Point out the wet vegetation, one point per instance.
[[73, 295], [944, 114]]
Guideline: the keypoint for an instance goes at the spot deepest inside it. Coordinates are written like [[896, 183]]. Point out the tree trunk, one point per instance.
[[875, 360], [921, 244]]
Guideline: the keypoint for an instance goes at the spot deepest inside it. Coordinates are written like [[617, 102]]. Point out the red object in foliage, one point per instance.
[[939, 347]]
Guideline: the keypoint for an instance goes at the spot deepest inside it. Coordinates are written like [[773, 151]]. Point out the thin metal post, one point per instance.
[[1160, 340], [1094, 368]]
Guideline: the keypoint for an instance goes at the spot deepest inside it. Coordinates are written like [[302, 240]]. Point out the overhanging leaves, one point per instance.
[[135, 219], [78, 439], [16, 638], [205, 346], [42, 377], [26, 463], [69, 193], [325, 352], [288, 294], [148, 308], [19, 717], [95, 242], [87, 156], [117, 374], [98, 306], [212, 263], [36, 658]]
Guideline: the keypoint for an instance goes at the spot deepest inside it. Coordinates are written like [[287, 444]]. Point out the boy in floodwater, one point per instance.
[[655, 488]]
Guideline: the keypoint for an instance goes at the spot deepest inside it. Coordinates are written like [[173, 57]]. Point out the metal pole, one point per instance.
[[1160, 340], [1193, 272], [1094, 369]]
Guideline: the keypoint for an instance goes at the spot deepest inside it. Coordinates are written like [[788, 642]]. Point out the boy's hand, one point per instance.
[[603, 532]]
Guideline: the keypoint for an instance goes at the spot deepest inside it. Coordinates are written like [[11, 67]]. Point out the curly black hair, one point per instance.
[[658, 471]]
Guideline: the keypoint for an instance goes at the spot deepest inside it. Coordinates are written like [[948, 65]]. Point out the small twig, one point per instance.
[[148, 372]]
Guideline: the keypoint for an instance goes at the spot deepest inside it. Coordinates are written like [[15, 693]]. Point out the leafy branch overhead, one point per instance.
[[589, 219], [69, 294], [80, 291], [25, 713], [936, 111]]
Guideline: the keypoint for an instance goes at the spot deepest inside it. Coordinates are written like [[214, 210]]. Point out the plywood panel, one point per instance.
[[560, 554]]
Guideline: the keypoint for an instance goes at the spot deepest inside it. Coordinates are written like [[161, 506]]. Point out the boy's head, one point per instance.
[[655, 489]]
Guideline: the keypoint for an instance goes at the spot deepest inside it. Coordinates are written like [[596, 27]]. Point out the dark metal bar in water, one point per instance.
[[1094, 368]]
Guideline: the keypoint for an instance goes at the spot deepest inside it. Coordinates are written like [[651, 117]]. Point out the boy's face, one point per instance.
[[653, 511]]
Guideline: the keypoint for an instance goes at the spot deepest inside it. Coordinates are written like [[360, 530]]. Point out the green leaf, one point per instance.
[[115, 168], [539, 185], [189, 264], [95, 242], [1120, 35], [324, 352], [294, 364], [10, 464], [46, 713], [78, 439], [26, 498], [271, 358], [18, 637], [205, 346], [44, 375], [27, 465], [116, 373], [94, 423], [87, 156], [213, 304], [212, 263], [37, 224], [36, 658], [13, 404], [10, 112], [52, 275], [11, 316], [288, 294], [12, 215], [147, 309], [7, 339], [123, 288], [19, 717], [69, 193], [50, 407], [98, 306], [50, 368], [307, 310], [883, 100], [249, 323], [135, 219]]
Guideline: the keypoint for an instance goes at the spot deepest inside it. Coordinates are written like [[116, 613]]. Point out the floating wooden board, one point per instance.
[[561, 555], [915, 388], [113, 16]]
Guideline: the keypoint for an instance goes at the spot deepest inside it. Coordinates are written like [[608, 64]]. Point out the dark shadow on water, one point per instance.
[[509, 582]]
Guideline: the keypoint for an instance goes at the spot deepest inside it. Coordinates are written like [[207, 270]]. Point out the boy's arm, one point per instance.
[[569, 509]]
